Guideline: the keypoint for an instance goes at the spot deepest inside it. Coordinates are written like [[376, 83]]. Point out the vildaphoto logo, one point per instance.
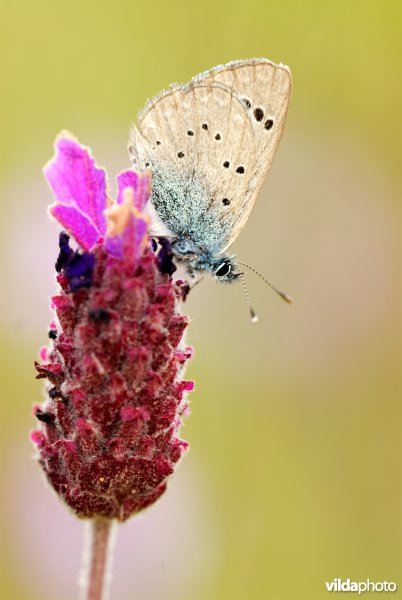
[[347, 585]]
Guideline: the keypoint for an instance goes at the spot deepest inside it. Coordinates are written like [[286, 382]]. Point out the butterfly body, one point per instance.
[[197, 232], [209, 145]]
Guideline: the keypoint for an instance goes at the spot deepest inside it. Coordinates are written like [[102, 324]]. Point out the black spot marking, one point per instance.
[[268, 124], [52, 334], [204, 126], [147, 164], [226, 201], [259, 114], [189, 132], [226, 164], [240, 170], [180, 154], [218, 136], [247, 102], [158, 143]]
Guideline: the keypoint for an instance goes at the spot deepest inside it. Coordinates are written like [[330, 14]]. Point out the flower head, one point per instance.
[[108, 435]]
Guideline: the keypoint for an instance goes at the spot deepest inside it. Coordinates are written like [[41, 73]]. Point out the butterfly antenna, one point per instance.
[[253, 315], [284, 296]]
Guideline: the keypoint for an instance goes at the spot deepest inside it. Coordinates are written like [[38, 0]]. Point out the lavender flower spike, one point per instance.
[[107, 436]]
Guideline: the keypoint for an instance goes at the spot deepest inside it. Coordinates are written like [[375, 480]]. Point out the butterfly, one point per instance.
[[209, 145]]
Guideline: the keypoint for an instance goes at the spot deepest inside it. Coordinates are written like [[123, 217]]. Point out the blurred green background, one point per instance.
[[294, 475]]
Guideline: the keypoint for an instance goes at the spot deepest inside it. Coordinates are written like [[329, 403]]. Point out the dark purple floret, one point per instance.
[[65, 251], [165, 258], [79, 270], [44, 416], [154, 244], [77, 266]]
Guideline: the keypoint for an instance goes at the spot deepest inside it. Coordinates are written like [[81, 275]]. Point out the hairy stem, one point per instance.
[[97, 559]]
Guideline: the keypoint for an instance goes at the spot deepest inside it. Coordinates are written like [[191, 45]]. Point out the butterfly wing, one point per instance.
[[198, 141], [265, 90]]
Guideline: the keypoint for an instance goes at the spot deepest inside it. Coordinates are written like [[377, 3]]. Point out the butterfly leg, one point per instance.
[[195, 279]]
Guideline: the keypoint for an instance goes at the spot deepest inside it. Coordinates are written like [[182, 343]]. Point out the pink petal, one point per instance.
[[141, 184], [77, 224], [77, 182], [133, 237], [128, 243], [114, 245]]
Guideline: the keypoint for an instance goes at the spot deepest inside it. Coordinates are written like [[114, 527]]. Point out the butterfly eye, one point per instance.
[[223, 270]]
